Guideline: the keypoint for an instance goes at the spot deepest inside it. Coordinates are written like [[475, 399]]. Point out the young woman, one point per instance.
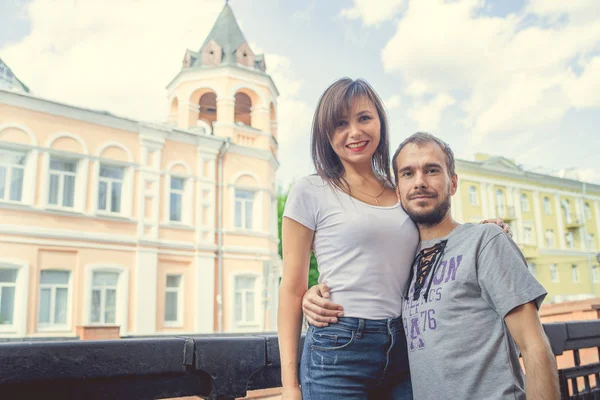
[[350, 216]]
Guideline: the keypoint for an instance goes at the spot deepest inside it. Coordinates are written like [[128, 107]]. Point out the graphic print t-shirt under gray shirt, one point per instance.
[[459, 346]]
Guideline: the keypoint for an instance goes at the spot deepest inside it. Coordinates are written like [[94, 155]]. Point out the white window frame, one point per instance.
[[591, 241], [566, 209], [186, 200], [547, 206], [253, 201], [574, 273], [180, 303], [52, 326], [570, 240], [19, 326], [532, 269], [595, 275], [125, 199], [524, 202], [30, 180], [122, 303], [549, 238], [473, 197], [8, 178], [554, 275], [528, 239], [60, 200], [587, 211], [500, 199], [181, 193], [248, 326]]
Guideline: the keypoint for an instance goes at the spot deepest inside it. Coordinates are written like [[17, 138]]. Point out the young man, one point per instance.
[[471, 304]]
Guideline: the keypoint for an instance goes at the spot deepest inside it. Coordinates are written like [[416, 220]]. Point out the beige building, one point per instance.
[[155, 228]]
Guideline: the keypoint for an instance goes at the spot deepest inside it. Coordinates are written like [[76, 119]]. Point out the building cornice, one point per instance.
[[34, 103], [528, 177], [227, 71]]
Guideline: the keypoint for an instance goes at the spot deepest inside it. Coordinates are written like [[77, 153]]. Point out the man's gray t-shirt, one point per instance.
[[459, 346]]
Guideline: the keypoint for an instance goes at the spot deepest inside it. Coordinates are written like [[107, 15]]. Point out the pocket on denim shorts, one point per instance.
[[330, 338]]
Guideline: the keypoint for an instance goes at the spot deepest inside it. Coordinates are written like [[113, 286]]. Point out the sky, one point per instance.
[[513, 78]]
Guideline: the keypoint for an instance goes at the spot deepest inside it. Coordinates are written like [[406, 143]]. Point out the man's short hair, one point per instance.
[[421, 138]]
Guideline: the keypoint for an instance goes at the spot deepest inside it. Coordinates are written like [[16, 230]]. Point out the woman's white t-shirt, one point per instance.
[[364, 252]]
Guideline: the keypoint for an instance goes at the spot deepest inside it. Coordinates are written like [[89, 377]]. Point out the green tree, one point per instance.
[[313, 273]]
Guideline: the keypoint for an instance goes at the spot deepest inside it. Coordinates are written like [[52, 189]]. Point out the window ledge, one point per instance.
[[54, 329], [15, 205], [173, 325], [113, 217], [246, 232], [71, 212], [175, 225], [247, 324]]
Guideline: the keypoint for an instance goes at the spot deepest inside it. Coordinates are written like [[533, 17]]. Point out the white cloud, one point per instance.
[[116, 55], [373, 12], [417, 88], [428, 114], [581, 174], [589, 174], [510, 75], [393, 102], [306, 13], [584, 91], [294, 121]]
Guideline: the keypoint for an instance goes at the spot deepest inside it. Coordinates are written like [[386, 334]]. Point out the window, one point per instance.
[[528, 235], [244, 203], [590, 241], [531, 268], [549, 238], [566, 207], [473, 195], [12, 171], [8, 285], [245, 300], [595, 274], [62, 182], [569, 239], [524, 202], [587, 210], [574, 274], [104, 297], [554, 273], [546, 203], [176, 198], [110, 188], [54, 295], [173, 300], [500, 199]]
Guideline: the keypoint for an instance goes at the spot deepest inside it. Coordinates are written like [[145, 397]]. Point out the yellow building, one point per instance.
[[555, 221]]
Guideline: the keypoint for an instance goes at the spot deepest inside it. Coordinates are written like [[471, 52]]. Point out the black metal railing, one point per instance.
[[211, 367]]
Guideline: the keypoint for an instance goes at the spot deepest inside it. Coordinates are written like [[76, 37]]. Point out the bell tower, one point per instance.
[[223, 89]]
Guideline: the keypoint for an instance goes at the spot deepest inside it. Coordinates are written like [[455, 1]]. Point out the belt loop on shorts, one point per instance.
[[361, 328]]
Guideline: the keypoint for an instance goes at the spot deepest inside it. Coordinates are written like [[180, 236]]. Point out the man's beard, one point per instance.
[[432, 217]]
